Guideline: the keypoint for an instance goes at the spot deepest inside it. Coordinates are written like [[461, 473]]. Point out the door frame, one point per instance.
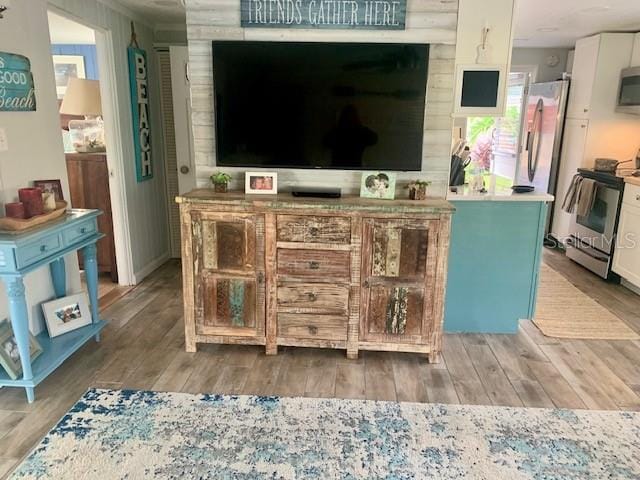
[[113, 118]]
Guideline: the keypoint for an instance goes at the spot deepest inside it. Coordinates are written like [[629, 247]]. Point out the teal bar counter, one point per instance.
[[494, 261]]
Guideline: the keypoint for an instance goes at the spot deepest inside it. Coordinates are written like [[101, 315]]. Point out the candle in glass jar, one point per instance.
[[32, 199], [49, 201], [14, 210]]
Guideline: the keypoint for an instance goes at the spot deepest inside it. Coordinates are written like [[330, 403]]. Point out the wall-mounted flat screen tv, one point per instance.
[[319, 105]]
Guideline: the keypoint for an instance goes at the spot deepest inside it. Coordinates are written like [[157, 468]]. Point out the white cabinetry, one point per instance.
[[593, 128], [626, 260], [585, 64]]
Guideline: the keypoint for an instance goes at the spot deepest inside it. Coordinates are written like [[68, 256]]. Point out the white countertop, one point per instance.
[[499, 195]]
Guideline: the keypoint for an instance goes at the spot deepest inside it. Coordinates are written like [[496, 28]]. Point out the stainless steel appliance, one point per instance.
[[592, 239], [543, 127], [629, 91]]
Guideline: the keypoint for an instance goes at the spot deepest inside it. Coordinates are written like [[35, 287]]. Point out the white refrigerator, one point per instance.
[[543, 126]]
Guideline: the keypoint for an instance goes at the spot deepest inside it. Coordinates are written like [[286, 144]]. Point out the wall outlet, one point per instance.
[[4, 142]]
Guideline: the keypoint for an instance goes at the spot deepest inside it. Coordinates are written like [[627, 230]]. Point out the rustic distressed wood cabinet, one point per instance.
[[349, 273]]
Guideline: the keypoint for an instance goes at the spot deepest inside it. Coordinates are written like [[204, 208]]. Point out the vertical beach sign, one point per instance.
[[139, 84]]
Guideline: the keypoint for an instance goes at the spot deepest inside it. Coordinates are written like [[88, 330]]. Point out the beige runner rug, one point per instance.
[[563, 311]]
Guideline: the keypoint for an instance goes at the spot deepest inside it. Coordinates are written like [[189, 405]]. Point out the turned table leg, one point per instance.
[[20, 324], [59, 277], [91, 273]]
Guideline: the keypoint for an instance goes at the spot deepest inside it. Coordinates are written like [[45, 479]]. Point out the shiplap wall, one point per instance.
[[146, 201], [428, 21]]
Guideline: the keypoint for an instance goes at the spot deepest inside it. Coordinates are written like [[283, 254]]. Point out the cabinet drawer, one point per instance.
[[322, 327], [78, 232], [328, 265], [35, 251], [631, 195], [311, 229], [305, 297]]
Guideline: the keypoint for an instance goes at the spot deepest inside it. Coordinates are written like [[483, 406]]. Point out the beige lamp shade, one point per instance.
[[82, 98]]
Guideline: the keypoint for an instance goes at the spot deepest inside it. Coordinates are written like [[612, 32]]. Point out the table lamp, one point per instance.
[[83, 98]]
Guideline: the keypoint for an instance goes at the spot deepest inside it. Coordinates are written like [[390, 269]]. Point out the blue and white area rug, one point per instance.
[[114, 434]]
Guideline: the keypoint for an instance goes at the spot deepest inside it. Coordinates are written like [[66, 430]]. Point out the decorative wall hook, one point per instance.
[[3, 8]]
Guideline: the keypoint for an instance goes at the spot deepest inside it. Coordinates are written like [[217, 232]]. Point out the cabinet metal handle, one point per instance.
[[312, 296], [83, 230], [313, 330], [586, 110], [638, 197], [260, 278], [314, 265], [314, 231], [43, 248], [365, 284]]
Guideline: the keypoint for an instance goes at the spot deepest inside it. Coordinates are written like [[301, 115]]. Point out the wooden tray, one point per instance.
[[17, 225]]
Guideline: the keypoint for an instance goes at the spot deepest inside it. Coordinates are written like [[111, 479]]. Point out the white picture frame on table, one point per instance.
[[265, 183], [67, 314], [66, 67]]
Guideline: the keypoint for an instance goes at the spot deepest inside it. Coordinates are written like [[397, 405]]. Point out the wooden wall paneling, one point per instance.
[[428, 21]]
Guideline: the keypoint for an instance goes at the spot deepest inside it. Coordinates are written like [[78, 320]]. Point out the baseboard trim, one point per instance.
[[151, 267], [630, 286]]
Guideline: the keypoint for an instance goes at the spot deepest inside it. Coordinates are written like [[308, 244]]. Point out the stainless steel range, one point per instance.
[[592, 238]]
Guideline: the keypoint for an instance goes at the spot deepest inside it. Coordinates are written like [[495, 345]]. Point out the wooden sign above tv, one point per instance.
[[324, 14]]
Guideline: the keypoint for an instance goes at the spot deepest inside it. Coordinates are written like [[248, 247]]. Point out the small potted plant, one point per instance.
[[418, 189], [220, 181]]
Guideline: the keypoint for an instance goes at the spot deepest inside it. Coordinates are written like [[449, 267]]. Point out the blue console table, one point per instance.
[[47, 245]]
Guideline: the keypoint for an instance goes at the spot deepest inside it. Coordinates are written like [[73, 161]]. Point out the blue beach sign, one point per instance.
[[17, 92]]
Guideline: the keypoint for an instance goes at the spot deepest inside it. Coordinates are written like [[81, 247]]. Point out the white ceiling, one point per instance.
[[559, 23], [158, 11], [539, 23], [63, 30]]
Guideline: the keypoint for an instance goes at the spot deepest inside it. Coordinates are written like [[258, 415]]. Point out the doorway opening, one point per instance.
[[84, 72]]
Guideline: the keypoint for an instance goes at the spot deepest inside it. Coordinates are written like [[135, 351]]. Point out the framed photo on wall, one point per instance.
[[261, 182], [66, 67], [67, 314], [378, 185], [9, 356]]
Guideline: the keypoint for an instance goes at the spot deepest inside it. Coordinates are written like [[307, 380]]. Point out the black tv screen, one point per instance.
[[319, 105]]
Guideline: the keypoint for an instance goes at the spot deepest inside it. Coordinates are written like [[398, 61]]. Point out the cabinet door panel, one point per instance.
[[228, 245], [396, 310], [626, 259], [399, 252], [398, 280], [229, 273], [229, 302]]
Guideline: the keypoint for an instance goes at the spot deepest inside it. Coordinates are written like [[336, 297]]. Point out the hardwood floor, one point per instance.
[[143, 348]]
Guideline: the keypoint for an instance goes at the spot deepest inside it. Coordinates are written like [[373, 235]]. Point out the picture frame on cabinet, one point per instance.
[[50, 186], [380, 185], [67, 314], [261, 183], [9, 356]]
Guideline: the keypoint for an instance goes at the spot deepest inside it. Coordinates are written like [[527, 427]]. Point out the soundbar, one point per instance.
[[316, 192]]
